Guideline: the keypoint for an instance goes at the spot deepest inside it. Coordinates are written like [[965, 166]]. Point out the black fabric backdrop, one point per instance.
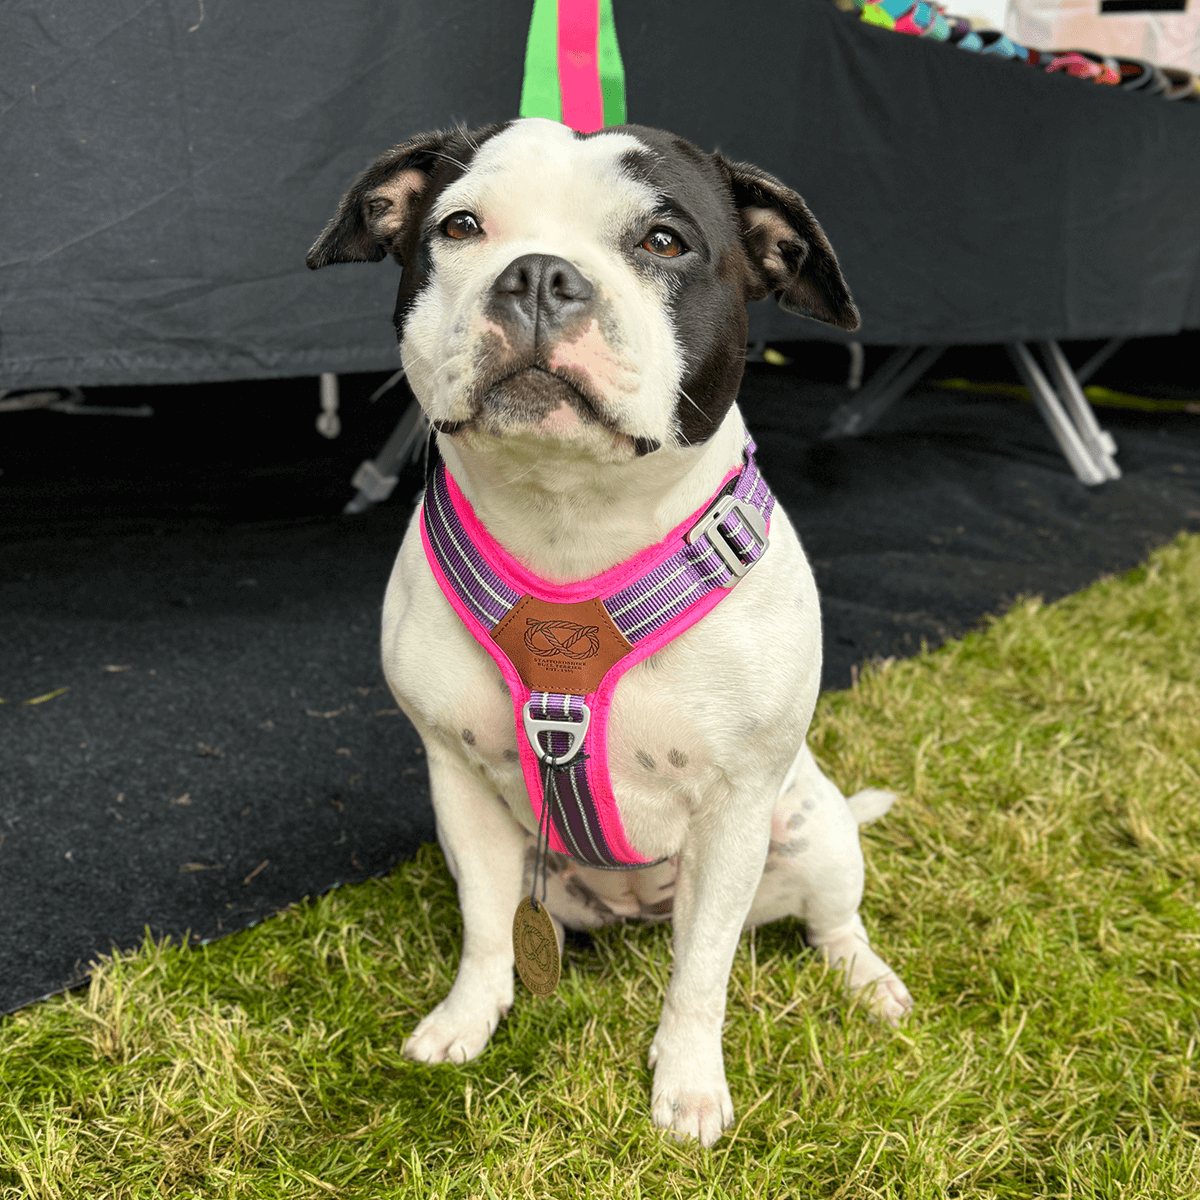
[[166, 166]]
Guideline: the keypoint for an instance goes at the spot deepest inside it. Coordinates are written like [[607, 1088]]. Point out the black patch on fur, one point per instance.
[[709, 285], [787, 849], [579, 890], [708, 305]]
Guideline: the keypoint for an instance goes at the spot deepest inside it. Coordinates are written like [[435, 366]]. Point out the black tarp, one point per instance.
[[166, 165]]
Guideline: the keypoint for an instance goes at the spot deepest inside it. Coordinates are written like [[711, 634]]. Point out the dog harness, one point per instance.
[[562, 648]]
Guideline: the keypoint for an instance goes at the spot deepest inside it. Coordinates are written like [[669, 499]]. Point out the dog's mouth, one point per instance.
[[529, 394], [532, 396]]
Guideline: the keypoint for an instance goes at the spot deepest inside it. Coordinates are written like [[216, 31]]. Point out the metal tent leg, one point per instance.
[[376, 477], [1089, 467], [329, 424], [857, 357], [1097, 440], [902, 369]]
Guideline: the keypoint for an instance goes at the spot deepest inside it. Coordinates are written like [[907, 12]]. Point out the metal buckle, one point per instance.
[[573, 729], [754, 522]]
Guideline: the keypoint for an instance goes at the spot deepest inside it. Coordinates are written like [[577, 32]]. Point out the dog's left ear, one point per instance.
[[788, 250]]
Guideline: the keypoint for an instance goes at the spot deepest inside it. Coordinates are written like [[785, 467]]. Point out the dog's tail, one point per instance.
[[870, 804]]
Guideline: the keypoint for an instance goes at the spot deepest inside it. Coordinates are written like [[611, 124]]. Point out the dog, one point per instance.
[[572, 318]]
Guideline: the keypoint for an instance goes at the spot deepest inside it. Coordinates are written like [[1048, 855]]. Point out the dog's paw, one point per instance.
[[689, 1112], [866, 974], [689, 1098], [883, 992], [887, 999], [453, 1032]]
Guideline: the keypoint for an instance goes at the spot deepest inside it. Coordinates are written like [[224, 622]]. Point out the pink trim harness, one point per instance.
[[651, 598]]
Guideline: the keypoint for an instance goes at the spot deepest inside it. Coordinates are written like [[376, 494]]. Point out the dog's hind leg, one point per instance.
[[814, 871], [485, 851]]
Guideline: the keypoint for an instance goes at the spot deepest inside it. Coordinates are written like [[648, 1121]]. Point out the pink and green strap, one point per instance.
[[573, 69]]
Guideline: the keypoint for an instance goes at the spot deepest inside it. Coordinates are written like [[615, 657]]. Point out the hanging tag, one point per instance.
[[535, 947]]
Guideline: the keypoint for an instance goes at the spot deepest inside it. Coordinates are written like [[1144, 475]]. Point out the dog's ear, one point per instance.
[[788, 250], [376, 213]]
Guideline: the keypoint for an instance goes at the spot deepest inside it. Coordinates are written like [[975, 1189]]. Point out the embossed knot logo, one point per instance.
[[561, 639], [537, 947]]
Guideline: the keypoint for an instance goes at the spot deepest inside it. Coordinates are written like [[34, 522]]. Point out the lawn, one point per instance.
[[1036, 886]]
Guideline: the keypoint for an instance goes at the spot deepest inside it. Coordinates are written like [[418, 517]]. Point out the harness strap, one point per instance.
[[562, 649]]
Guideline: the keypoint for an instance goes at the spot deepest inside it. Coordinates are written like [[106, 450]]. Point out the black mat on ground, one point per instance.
[[225, 744]]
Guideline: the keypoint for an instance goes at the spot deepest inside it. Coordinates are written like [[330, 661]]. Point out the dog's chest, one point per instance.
[[685, 724], [657, 757]]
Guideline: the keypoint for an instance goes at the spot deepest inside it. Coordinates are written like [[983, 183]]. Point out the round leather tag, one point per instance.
[[535, 947]]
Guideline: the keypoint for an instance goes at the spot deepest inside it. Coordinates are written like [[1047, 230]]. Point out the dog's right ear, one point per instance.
[[375, 215]]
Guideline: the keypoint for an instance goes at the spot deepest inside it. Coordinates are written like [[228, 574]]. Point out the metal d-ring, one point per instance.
[[574, 730]]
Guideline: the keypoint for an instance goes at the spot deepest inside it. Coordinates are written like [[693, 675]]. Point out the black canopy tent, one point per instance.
[[168, 165]]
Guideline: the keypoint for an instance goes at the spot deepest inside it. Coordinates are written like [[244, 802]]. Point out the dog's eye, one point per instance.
[[664, 243], [461, 225]]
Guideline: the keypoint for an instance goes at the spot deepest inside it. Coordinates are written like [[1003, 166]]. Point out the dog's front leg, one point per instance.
[[485, 851], [719, 872]]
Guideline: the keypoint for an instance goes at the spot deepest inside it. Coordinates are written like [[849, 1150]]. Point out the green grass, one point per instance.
[[1036, 886]]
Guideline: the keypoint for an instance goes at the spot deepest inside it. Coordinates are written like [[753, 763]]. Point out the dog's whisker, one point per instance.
[[449, 158], [517, 478]]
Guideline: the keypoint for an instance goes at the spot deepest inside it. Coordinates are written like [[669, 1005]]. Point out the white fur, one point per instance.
[[708, 755]]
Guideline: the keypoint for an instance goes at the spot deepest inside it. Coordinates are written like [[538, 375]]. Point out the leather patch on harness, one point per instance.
[[561, 647]]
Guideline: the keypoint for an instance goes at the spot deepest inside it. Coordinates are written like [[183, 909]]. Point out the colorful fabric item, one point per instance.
[[1110, 71], [882, 13], [917, 20], [924, 20], [992, 41], [927, 19], [1076, 64], [959, 27], [573, 67], [649, 600]]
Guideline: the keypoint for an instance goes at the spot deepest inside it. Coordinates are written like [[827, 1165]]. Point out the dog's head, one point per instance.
[[581, 289]]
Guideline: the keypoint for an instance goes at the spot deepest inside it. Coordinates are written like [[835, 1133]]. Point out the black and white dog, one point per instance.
[[572, 318]]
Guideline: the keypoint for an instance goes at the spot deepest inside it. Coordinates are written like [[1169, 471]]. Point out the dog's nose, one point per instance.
[[541, 292]]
